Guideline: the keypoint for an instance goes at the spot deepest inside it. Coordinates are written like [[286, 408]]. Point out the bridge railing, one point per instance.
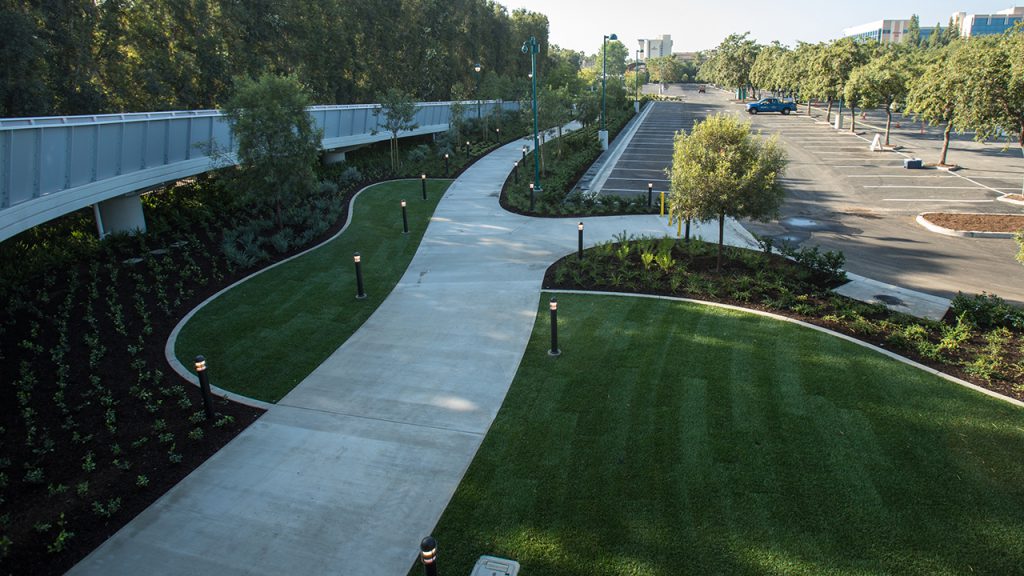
[[50, 166]]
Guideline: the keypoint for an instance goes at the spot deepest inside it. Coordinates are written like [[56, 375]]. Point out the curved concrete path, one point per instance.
[[355, 466]]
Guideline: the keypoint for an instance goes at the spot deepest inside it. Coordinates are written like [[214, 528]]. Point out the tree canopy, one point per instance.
[[721, 169]]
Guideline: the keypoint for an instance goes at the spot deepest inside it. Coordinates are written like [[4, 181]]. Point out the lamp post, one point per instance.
[[423, 184], [650, 193], [405, 219], [602, 135], [358, 260], [445, 164], [636, 81], [579, 251], [553, 306], [479, 115], [531, 47], [204, 386]]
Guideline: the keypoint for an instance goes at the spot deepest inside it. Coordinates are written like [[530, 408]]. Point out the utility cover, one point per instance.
[[491, 566]]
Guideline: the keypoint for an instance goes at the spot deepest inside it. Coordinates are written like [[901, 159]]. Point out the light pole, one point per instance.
[[532, 48], [479, 116], [636, 80], [602, 135]]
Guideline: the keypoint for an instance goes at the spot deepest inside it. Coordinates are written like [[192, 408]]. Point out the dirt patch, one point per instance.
[[977, 222]]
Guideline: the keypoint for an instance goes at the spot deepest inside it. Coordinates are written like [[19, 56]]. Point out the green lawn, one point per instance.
[[264, 336], [672, 438]]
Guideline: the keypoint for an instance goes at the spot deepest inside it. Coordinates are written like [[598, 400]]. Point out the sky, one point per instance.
[[703, 24]]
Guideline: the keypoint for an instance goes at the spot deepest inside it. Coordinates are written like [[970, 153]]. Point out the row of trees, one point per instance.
[[83, 56], [974, 84]]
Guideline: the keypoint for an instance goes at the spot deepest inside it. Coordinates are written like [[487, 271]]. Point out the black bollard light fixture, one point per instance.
[[524, 154], [531, 196], [579, 251], [516, 171], [360, 293], [405, 220], [423, 182], [553, 306], [445, 164], [497, 135], [428, 555], [204, 386], [467, 148], [650, 194]]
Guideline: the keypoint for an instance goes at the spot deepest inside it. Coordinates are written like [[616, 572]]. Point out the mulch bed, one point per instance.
[[971, 222]]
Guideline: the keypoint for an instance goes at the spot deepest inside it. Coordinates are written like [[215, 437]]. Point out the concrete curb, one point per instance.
[[882, 351], [1009, 200], [185, 373], [923, 221]]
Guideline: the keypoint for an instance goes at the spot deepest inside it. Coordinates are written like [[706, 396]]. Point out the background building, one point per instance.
[[657, 47], [888, 31]]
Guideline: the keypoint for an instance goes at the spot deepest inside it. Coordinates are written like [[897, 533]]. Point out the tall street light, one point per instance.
[[603, 133], [532, 48], [636, 80]]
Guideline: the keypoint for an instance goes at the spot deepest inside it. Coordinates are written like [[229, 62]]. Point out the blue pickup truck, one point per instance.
[[771, 105]]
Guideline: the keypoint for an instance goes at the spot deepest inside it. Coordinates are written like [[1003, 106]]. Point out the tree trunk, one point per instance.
[[853, 119], [808, 106], [828, 112], [721, 239], [888, 122], [543, 167], [945, 143], [687, 236]]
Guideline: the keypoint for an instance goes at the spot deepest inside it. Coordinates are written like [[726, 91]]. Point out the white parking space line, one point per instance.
[[634, 179], [892, 176], [636, 170], [931, 187], [939, 200]]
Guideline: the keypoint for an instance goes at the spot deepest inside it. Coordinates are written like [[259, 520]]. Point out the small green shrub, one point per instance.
[[987, 311]]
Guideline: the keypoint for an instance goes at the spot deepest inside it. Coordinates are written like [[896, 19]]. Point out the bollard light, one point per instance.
[[497, 135], [524, 154], [467, 148], [650, 194], [360, 293], [428, 555], [204, 386], [515, 166], [579, 251], [553, 306], [531, 196], [445, 164], [423, 181], [405, 220]]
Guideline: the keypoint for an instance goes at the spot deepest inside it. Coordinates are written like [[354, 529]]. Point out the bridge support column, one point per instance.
[[121, 214], [333, 157]]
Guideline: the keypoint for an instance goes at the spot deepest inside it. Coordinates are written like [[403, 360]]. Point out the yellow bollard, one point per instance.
[[662, 203]]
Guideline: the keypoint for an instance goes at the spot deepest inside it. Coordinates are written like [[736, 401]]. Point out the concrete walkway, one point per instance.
[[354, 467]]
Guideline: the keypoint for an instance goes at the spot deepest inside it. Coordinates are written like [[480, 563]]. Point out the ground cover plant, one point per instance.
[[677, 438], [567, 159], [967, 343], [267, 334], [94, 425]]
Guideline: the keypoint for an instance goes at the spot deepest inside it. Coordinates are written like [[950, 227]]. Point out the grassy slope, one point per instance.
[[264, 336], [677, 439]]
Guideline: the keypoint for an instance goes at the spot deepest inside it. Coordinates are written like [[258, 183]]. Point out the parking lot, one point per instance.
[[843, 196]]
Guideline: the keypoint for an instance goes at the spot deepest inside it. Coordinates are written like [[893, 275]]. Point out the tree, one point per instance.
[[665, 69], [399, 110], [881, 83], [913, 34], [617, 55], [993, 75], [721, 169], [933, 96], [765, 73], [23, 91], [729, 64], [277, 142], [833, 66]]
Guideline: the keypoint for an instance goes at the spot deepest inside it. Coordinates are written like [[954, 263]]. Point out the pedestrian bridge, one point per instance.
[[51, 166]]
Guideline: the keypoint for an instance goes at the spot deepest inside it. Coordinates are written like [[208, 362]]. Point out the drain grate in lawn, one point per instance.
[[672, 438]]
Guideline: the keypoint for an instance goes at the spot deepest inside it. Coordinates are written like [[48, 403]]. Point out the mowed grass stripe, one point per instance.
[[674, 438], [264, 336]]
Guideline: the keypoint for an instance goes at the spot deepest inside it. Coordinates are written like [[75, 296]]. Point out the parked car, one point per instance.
[[771, 105]]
